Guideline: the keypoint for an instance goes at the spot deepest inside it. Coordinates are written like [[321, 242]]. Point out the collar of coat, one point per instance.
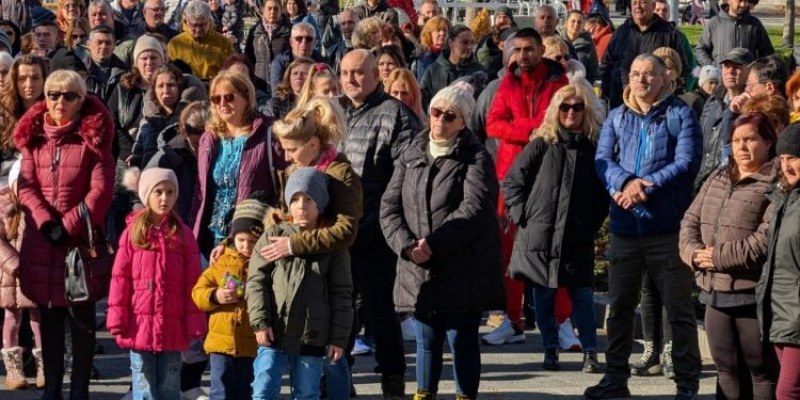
[[464, 140], [96, 126]]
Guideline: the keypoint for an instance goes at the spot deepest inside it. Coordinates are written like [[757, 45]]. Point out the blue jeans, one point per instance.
[[337, 376], [582, 315], [156, 375], [461, 331], [304, 374], [230, 377]]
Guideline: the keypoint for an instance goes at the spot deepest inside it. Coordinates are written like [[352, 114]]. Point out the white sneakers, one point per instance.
[[566, 337], [408, 327], [194, 394], [505, 333]]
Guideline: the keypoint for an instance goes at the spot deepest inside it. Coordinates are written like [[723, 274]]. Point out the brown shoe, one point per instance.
[[15, 378]]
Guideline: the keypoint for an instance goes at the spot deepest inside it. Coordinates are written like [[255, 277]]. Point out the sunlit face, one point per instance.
[[230, 105], [750, 150], [30, 82], [100, 16], [167, 90], [63, 104], [502, 21], [292, 9], [710, 86], [734, 76], [297, 77], [358, 79], [326, 87], [162, 198], [555, 54], [796, 101], [245, 242], [402, 92], [45, 37], [386, 64], [304, 211], [439, 36], [153, 13], [428, 11], [790, 167], [740, 7], [445, 120], [662, 10], [647, 80], [77, 37], [528, 53], [71, 10], [572, 118], [272, 12], [300, 153], [198, 26], [147, 63], [101, 46], [755, 87], [642, 11], [574, 25], [462, 45], [302, 43], [546, 21], [347, 22]]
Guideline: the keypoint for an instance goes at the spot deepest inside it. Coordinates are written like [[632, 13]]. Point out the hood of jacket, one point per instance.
[[633, 104], [604, 31], [554, 68], [193, 90], [96, 125]]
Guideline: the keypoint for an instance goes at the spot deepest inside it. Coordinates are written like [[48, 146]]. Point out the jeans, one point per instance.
[[629, 258], [230, 377], [304, 374], [461, 331], [337, 377], [582, 315], [156, 375], [82, 326], [374, 267]]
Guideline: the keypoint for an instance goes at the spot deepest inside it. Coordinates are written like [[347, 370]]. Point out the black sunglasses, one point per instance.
[[577, 107], [78, 37], [560, 58], [68, 96], [449, 116], [228, 97], [300, 39]]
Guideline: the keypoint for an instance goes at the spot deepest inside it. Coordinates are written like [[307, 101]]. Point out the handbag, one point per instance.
[[87, 276]]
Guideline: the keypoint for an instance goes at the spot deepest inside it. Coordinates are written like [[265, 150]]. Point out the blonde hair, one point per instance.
[[555, 42], [66, 80], [319, 118], [403, 75], [364, 30], [550, 125], [317, 71], [239, 83], [62, 22], [78, 23], [481, 24], [433, 25], [142, 223]]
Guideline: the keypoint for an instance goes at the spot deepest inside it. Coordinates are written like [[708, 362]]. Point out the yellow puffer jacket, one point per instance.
[[229, 329], [204, 56]]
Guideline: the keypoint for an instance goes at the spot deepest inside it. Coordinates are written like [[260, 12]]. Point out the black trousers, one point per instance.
[[82, 326]]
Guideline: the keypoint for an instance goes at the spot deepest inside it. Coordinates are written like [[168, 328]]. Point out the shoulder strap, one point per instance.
[[673, 121]]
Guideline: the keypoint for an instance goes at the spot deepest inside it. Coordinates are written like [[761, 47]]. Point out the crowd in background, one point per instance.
[[287, 185]]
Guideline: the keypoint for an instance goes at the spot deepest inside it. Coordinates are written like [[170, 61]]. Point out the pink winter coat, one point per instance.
[[10, 292], [150, 305], [57, 173]]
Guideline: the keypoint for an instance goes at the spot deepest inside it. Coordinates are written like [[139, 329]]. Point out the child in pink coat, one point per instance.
[[150, 307]]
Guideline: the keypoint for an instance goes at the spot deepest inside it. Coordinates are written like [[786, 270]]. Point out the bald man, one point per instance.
[[379, 130]]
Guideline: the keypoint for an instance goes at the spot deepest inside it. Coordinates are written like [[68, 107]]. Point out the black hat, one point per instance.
[[738, 55], [789, 141], [67, 60]]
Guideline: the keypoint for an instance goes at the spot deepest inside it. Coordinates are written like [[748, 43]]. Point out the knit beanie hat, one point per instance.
[[67, 60], [5, 42], [505, 10], [310, 181], [671, 58], [145, 43], [249, 217], [152, 177], [707, 73], [458, 96], [789, 141]]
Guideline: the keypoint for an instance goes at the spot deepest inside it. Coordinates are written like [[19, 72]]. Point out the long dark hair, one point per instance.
[[11, 108]]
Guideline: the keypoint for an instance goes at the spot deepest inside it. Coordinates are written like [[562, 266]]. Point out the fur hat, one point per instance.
[[152, 177], [459, 97], [707, 73], [145, 43], [248, 217], [310, 181]]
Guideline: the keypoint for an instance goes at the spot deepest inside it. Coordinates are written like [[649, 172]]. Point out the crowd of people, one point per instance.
[[331, 183]]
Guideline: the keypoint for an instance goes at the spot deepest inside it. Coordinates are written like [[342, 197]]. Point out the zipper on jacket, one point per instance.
[[721, 210], [56, 161]]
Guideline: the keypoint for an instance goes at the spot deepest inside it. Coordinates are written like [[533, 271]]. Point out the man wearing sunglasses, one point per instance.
[[648, 154], [301, 44], [199, 46], [735, 27]]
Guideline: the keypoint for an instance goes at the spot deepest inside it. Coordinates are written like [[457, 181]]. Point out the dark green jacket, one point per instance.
[[307, 301]]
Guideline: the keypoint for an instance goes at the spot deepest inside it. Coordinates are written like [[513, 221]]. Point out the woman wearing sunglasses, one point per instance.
[[77, 33], [65, 143], [238, 155], [439, 215], [552, 193]]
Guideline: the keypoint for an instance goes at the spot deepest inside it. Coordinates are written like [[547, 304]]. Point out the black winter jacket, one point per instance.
[[442, 73], [450, 202], [626, 43], [559, 203], [261, 50], [174, 154], [126, 107], [715, 122], [102, 83], [777, 289]]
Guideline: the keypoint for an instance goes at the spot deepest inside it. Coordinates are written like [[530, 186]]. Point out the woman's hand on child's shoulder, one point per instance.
[[216, 253], [265, 337]]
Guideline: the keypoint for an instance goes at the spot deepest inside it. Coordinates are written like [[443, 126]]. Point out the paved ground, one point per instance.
[[510, 372]]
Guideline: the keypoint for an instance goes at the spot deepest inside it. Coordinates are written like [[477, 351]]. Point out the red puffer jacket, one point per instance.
[[58, 173], [515, 111]]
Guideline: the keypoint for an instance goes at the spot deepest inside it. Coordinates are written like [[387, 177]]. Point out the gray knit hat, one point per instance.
[[789, 141], [310, 181], [458, 96], [145, 43]]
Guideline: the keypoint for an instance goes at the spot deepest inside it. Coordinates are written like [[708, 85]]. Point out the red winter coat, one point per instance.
[[150, 305], [58, 173], [514, 113]]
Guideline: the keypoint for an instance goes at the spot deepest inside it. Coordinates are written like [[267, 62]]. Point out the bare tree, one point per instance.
[[788, 24]]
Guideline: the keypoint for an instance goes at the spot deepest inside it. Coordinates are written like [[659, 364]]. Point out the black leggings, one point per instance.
[[747, 367]]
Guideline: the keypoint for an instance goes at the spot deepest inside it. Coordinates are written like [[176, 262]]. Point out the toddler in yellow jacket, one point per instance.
[[231, 343]]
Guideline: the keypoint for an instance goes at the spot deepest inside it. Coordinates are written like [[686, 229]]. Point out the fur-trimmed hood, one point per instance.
[[96, 125]]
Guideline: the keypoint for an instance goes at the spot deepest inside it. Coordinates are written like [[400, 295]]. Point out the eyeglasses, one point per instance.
[[449, 116], [78, 37], [577, 107], [752, 85], [68, 96], [228, 97], [301, 39], [635, 76]]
